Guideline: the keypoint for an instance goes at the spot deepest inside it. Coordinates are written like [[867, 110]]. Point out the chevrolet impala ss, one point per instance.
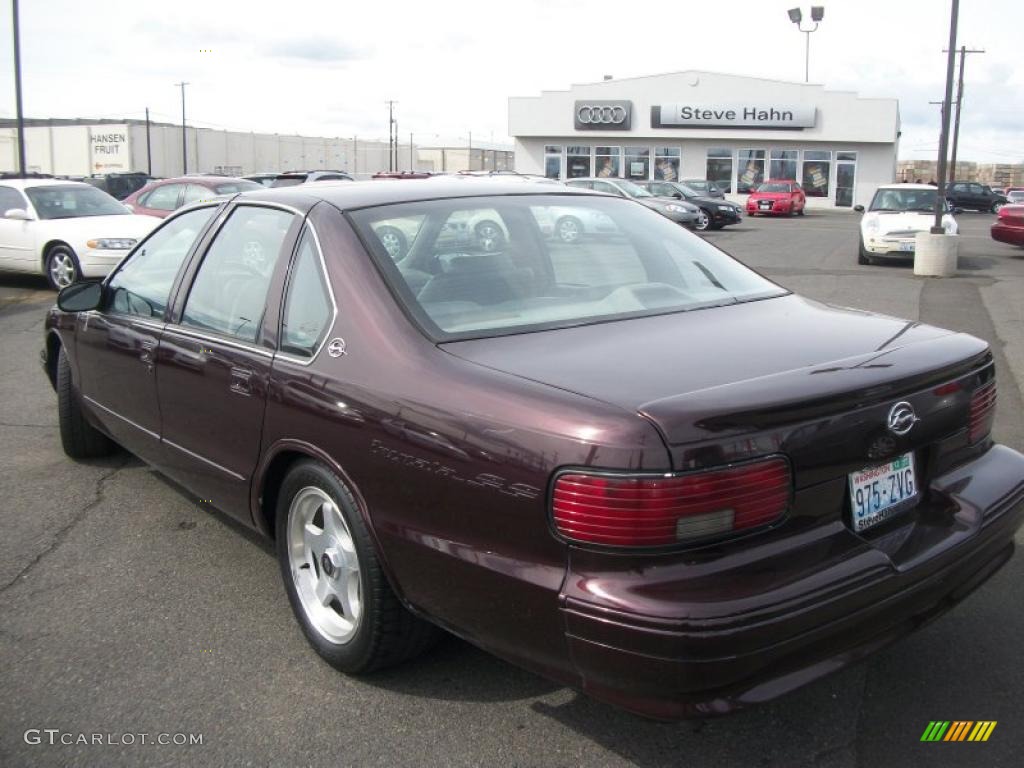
[[626, 462]]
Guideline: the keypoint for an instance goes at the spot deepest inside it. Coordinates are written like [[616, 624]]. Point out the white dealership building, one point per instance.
[[737, 131]]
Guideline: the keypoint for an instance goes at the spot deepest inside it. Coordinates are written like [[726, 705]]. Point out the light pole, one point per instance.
[[797, 17], [17, 90]]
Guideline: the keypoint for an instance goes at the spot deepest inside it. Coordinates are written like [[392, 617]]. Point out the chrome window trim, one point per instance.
[[217, 339], [126, 420], [334, 307]]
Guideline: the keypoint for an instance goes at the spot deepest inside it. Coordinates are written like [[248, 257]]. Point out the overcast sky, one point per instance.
[[326, 68]]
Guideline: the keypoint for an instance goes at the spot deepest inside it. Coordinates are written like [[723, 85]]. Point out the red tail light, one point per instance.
[[983, 409], [629, 511]]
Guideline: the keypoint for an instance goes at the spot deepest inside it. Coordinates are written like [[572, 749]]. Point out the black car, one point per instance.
[[715, 212], [706, 187], [975, 196]]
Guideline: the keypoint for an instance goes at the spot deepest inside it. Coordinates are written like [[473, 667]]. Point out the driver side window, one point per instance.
[[229, 292], [142, 286]]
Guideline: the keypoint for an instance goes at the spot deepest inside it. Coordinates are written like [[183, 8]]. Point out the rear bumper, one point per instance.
[[720, 654], [1007, 234]]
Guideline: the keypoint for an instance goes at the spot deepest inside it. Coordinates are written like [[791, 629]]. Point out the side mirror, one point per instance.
[[859, 208], [18, 214], [81, 297]]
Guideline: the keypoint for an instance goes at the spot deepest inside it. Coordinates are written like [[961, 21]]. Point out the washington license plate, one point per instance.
[[878, 493]]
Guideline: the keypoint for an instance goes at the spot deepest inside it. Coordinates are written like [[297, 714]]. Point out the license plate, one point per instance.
[[907, 247], [765, 204], [878, 493]]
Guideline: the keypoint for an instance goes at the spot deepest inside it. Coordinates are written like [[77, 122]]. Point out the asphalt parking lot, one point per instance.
[[126, 607]]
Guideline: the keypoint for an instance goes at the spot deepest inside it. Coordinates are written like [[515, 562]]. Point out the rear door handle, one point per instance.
[[241, 380], [148, 347]]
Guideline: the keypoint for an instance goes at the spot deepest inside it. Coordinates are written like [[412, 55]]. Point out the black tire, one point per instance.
[[704, 223], [862, 254], [995, 207], [79, 438], [394, 242], [61, 256], [490, 236], [387, 633], [803, 210]]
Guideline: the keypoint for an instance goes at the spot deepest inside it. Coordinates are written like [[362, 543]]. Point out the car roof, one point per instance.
[[26, 183], [907, 186], [200, 178], [352, 195]]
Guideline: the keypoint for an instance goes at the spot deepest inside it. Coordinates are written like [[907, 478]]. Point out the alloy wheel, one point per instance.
[[489, 235], [62, 269], [703, 220], [392, 244], [324, 565], [568, 230]]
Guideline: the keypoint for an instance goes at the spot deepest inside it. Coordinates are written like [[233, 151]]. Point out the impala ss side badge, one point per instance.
[[901, 418], [336, 348]]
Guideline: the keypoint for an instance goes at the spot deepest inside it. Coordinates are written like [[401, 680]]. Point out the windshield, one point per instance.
[[633, 190], [686, 191], [919, 200], [472, 267], [774, 188], [232, 187], [288, 181], [72, 201]]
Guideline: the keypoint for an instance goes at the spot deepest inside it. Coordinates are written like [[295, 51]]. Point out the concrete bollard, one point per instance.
[[936, 255]]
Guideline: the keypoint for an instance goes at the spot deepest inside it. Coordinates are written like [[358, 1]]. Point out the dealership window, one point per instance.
[[783, 164], [553, 161], [749, 169], [666, 163], [608, 161], [577, 162], [719, 169], [638, 163], [817, 171]]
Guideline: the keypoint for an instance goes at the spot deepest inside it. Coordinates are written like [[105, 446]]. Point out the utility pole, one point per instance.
[[396, 145], [184, 141], [964, 50], [391, 134], [17, 90], [940, 197], [149, 148]]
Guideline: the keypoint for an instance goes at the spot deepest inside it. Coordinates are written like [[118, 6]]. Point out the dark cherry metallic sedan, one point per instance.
[[626, 462], [161, 198]]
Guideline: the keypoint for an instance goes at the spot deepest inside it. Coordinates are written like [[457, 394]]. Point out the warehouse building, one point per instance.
[[78, 147], [737, 131]]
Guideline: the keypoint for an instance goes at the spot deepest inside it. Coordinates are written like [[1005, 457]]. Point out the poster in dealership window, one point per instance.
[[666, 169], [816, 179]]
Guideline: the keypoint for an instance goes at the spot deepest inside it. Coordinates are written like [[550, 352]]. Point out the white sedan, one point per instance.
[[889, 227], [65, 230]]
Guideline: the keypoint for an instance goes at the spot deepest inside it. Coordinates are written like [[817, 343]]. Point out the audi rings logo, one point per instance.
[[602, 115]]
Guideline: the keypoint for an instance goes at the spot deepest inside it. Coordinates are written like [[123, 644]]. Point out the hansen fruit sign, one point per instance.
[[109, 149], [732, 116]]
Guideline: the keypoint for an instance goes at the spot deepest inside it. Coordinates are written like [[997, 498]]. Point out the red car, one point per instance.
[[780, 196], [1009, 225], [161, 198]]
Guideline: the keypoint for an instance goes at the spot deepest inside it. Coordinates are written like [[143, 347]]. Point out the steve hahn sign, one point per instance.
[[732, 116]]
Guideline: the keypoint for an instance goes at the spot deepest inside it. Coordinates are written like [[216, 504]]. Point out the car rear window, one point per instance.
[[231, 187], [288, 181], [484, 266]]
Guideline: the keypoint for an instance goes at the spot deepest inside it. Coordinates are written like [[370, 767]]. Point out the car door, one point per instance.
[[215, 359], [116, 346], [17, 238]]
